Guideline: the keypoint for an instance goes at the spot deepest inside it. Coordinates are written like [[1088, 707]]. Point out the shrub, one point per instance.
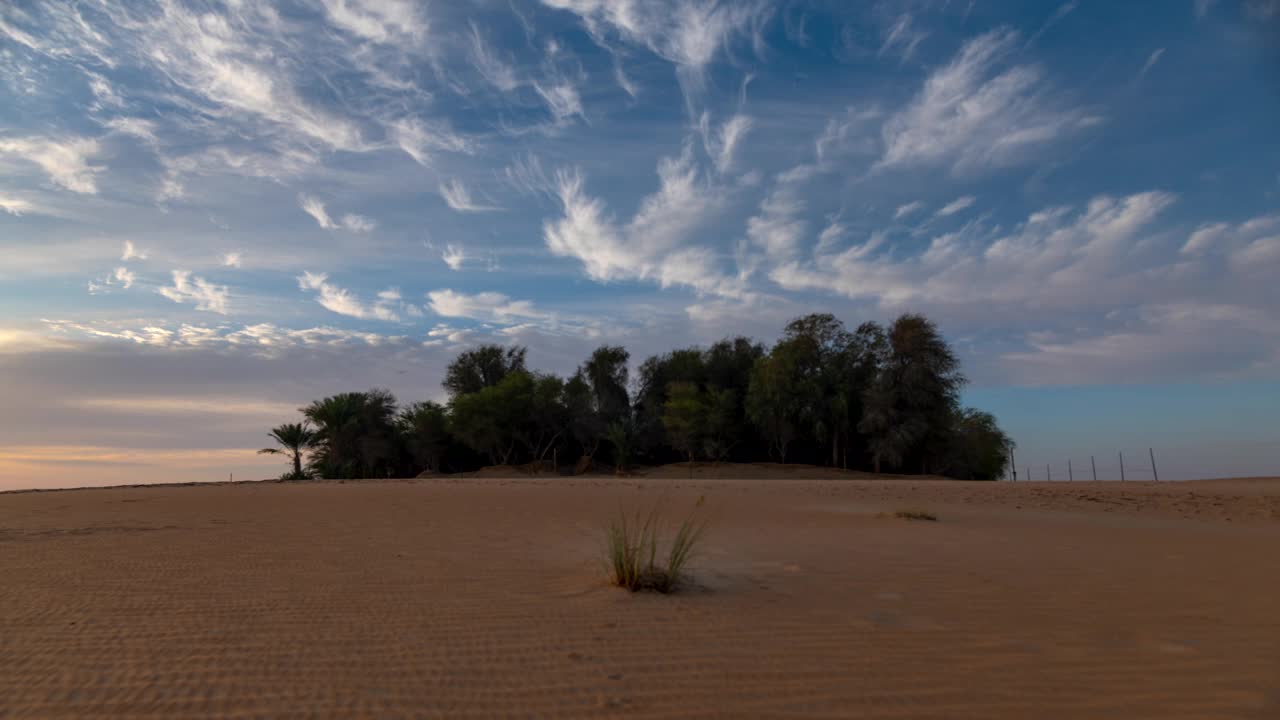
[[632, 550]]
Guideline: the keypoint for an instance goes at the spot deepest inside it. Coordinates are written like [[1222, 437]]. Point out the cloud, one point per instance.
[[454, 256], [497, 72], [420, 139], [1044, 260], [125, 277], [379, 21], [1063, 10], [1150, 63], [131, 252], [902, 37], [204, 295], [343, 302], [64, 160], [652, 245], [232, 259], [688, 33], [485, 306], [457, 197], [351, 222], [15, 206], [721, 144], [562, 99], [905, 210], [973, 116], [956, 206]]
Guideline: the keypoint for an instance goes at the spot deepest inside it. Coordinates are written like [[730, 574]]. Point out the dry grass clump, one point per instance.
[[911, 515], [632, 550]]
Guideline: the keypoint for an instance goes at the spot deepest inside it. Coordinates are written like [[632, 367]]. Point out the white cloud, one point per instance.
[[15, 206], [562, 99], [380, 21], [721, 144], [973, 116], [652, 245], [131, 252], [65, 160], [125, 277], [204, 295], [136, 127], [909, 208], [499, 74], [454, 256], [1045, 260], [232, 259], [1150, 63], [485, 306], [956, 206], [458, 197], [688, 33], [902, 38], [420, 140], [358, 223], [343, 302], [1063, 10], [351, 222]]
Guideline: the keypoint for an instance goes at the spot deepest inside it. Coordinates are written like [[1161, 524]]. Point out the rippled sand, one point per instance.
[[487, 597]]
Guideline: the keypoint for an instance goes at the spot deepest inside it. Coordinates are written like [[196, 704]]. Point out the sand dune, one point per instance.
[[486, 597]]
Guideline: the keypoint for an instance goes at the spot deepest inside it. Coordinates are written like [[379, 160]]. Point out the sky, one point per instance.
[[214, 212]]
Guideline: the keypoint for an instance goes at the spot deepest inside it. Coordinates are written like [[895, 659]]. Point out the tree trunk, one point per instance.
[[297, 464]]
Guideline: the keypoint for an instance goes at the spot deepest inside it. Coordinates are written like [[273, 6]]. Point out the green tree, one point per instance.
[[294, 439], [482, 367], [908, 410], [684, 415], [979, 449], [775, 400], [548, 415], [495, 419], [621, 435], [425, 429], [356, 436], [720, 425]]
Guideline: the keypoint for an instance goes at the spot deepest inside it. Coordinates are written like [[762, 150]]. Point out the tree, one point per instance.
[[774, 400], [655, 376], [908, 411], [620, 438], [597, 396], [720, 425], [548, 415], [293, 439], [493, 420], [482, 367], [978, 448], [355, 434], [424, 426], [684, 415]]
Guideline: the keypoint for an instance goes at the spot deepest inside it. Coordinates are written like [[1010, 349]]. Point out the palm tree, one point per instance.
[[293, 438]]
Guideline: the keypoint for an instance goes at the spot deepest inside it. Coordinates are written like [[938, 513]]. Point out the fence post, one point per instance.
[[1094, 465], [1048, 474], [1121, 466], [1154, 474], [1013, 464], [1070, 476]]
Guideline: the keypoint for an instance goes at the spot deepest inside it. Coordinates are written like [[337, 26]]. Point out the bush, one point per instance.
[[632, 550]]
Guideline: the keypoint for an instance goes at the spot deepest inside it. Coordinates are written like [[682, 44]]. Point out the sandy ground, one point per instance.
[[486, 597]]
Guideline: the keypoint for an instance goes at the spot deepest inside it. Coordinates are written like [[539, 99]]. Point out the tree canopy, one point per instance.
[[885, 399]]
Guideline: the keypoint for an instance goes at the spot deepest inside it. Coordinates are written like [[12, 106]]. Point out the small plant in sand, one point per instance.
[[632, 550], [913, 515]]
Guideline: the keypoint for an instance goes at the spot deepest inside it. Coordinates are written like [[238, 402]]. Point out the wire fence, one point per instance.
[[1112, 467]]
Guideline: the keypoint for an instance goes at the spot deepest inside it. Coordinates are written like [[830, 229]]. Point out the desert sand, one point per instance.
[[483, 597]]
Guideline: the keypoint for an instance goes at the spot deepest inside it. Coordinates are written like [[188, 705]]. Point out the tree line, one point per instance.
[[877, 398]]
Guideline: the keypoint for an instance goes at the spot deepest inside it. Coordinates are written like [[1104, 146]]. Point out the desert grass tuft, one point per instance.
[[632, 550], [912, 515]]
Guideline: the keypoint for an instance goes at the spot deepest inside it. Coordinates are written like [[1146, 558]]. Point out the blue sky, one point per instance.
[[212, 212]]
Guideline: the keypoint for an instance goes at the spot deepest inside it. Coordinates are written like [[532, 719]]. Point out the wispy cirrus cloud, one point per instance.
[[484, 306], [66, 161], [458, 197], [973, 115], [343, 302], [314, 207], [188, 288]]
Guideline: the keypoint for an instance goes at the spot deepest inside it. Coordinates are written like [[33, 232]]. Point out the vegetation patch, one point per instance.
[[633, 555]]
